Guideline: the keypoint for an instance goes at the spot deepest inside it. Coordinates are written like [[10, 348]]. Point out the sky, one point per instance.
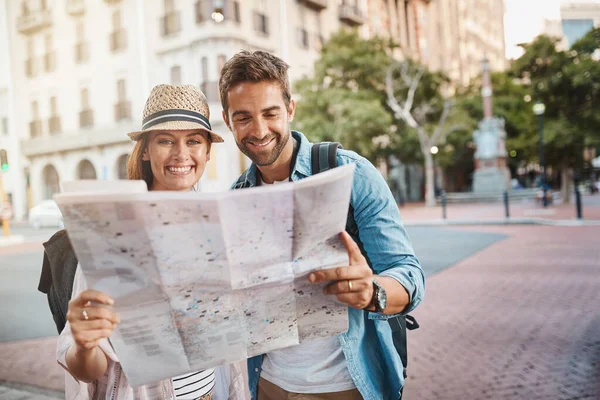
[[523, 20]]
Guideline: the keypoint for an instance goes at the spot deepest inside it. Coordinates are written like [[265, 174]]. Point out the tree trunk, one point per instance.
[[429, 180], [565, 184]]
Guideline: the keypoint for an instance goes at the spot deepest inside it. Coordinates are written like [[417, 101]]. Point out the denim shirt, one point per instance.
[[368, 347]]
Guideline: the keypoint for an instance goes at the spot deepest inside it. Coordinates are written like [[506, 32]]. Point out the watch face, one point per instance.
[[381, 299]]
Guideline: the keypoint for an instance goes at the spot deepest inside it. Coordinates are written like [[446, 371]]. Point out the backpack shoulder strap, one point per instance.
[[323, 156]]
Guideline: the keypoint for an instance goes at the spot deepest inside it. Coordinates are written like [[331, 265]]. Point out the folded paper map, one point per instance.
[[206, 279]]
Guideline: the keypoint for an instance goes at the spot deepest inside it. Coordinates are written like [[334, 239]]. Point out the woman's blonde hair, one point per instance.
[[137, 168]]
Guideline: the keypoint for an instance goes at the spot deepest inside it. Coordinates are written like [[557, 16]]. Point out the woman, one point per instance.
[[170, 153]]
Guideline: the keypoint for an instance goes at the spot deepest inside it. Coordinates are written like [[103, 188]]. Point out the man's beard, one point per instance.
[[265, 157]]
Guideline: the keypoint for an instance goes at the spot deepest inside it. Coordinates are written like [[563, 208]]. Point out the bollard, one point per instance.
[[506, 209], [443, 196], [578, 202]]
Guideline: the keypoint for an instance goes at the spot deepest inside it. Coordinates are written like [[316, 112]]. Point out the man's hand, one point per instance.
[[353, 284]]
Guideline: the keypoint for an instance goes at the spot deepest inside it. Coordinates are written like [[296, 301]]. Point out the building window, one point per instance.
[[118, 37], [261, 23], [170, 21], [35, 126], [123, 106], [81, 46], [86, 115], [30, 70], [221, 60], [302, 38], [201, 11], [204, 69], [54, 120], [49, 58], [176, 75], [236, 12], [122, 166]]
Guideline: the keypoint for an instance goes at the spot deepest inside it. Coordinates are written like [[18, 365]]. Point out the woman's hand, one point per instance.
[[90, 319]]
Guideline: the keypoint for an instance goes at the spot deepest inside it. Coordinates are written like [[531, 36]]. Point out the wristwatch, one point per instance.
[[379, 297]]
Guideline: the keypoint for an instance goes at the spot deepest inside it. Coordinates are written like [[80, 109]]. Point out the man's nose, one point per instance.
[[261, 128]]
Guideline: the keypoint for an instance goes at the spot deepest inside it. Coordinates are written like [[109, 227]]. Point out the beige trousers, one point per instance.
[[269, 391]]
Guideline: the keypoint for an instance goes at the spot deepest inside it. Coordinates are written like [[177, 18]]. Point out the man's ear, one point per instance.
[[292, 109], [226, 119]]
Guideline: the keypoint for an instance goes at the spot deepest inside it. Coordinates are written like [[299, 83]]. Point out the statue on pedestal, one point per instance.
[[491, 173]]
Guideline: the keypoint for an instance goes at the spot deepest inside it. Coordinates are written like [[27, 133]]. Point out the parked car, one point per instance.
[[46, 214]]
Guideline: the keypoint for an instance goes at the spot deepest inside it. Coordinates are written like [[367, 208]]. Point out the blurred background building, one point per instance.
[[578, 17], [80, 70]]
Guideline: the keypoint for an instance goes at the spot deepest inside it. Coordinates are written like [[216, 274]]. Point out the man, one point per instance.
[[361, 363]]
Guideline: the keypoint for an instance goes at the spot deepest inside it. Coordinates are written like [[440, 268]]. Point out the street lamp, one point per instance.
[[434, 150], [538, 109], [218, 15]]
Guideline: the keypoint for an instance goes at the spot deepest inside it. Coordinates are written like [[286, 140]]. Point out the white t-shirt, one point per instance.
[[318, 366]]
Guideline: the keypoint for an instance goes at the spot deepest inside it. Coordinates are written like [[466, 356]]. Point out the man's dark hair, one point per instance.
[[257, 66]]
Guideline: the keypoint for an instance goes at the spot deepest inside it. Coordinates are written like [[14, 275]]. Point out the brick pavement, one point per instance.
[[31, 362], [518, 320]]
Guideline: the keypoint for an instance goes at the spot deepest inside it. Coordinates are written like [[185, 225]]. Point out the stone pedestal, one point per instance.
[[491, 179], [491, 173]]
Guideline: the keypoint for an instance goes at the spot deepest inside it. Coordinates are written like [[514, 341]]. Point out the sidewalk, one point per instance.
[[522, 212], [31, 362], [518, 320]]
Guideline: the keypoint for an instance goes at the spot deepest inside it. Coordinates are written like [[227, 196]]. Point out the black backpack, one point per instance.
[[322, 158], [58, 273]]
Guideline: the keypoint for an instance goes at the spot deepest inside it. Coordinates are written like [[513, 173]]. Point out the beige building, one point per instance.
[[80, 70], [451, 36], [578, 17], [12, 180]]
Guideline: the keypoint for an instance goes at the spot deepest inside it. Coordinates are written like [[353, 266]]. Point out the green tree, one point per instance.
[[347, 101], [344, 100], [568, 83]]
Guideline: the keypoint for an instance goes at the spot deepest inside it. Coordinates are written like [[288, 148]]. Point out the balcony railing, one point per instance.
[[54, 125], [31, 68], [86, 118], [34, 21], [211, 91], [303, 38], [75, 7], [316, 5], [170, 23], [351, 15], [122, 110], [35, 128], [118, 40], [50, 61], [82, 53]]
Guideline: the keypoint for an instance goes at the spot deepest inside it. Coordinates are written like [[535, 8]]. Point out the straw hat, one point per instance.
[[176, 108]]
